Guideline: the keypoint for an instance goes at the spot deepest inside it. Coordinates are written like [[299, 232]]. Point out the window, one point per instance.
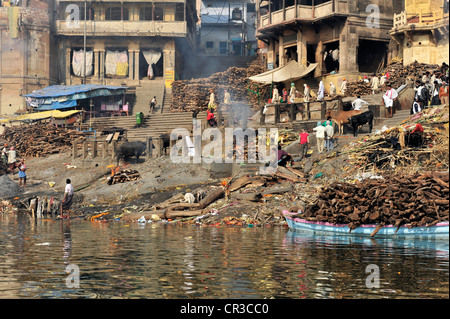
[[159, 12], [209, 44], [236, 14], [223, 47], [179, 12], [115, 13], [146, 13], [251, 7]]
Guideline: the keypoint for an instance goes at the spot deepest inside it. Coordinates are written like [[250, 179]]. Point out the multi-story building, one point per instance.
[[127, 41], [26, 51], [227, 27], [345, 37], [422, 31]]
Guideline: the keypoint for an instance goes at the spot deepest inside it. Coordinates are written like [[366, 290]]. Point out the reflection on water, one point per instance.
[[127, 260]]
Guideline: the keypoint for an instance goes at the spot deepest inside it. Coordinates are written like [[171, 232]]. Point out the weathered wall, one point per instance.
[[24, 57]]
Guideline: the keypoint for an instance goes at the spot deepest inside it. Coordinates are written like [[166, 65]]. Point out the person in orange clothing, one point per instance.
[[443, 93]]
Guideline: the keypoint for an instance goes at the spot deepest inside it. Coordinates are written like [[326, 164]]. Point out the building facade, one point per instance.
[[26, 51], [126, 41], [227, 27], [422, 31], [345, 37]]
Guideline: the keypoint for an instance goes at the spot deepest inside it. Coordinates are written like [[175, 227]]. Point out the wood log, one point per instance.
[[239, 182], [189, 213], [254, 197]]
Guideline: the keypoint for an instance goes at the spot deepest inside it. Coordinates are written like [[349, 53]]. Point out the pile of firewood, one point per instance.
[[416, 200], [399, 74], [358, 88], [193, 95], [40, 140], [122, 176]]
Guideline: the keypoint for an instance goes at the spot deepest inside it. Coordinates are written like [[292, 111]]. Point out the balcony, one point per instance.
[[421, 18], [123, 28], [304, 13]]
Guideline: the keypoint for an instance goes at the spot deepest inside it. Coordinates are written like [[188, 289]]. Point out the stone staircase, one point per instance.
[[167, 100], [145, 92], [153, 125]]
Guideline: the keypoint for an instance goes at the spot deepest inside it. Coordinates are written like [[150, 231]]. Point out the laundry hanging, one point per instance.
[[78, 63], [116, 63], [152, 57]]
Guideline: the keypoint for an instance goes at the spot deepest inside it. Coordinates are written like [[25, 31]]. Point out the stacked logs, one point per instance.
[[399, 74], [415, 200], [193, 95], [39, 140], [122, 176], [358, 88]]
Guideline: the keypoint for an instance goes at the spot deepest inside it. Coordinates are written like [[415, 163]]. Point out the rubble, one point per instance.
[[419, 142]]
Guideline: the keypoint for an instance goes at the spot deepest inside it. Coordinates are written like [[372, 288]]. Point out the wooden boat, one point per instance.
[[440, 230]]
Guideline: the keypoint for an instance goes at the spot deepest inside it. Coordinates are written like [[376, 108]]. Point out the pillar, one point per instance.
[[136, 64], [94, 149], [102, 64], [74, 150], [85, 149], [68, 82], [96, 64], [281, 50]]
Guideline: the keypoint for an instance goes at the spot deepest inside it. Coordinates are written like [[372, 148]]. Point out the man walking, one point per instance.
[[389, 98], [152, 105], [304, 142], [329, 131], [320, 136]]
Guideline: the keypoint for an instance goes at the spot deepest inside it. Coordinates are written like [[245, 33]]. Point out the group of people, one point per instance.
[[431, 89], [324, 137], [285, 97], [9, 159], [212, 106]]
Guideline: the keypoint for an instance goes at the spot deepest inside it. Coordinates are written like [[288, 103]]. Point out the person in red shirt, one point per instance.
[[304, 142], [211, 119]]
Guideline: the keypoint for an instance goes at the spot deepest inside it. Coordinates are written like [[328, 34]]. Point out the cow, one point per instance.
[[360, 119], [341, 117], [127, 149]]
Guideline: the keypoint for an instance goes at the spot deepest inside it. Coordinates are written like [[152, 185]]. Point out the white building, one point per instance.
[[227, 27]]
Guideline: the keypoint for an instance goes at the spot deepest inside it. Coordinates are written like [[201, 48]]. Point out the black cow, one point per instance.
[[127, 149], [361, 119]]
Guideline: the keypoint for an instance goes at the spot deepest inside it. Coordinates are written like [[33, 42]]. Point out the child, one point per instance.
[[22, 174]]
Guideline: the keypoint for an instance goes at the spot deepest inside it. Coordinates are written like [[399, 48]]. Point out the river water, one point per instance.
[[78, 259]]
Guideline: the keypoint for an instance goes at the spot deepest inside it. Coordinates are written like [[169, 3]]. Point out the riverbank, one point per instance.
[[417, 145]]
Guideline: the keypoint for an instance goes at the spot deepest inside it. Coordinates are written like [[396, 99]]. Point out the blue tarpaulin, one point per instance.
[[74, 90], [65, 96], [58, 105]]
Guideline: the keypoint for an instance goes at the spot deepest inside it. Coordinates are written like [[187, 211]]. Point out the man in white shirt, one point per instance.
[[358, 103], [388, 99], [329, 130], [67, 199], [320, 136]]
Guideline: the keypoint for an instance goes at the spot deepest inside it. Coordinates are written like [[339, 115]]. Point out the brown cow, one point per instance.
[[341, 117]]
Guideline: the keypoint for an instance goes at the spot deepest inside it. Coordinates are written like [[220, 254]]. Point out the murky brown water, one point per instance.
[[128, 260]]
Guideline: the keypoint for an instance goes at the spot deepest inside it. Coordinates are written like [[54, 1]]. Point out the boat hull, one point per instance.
[[440, 230]]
